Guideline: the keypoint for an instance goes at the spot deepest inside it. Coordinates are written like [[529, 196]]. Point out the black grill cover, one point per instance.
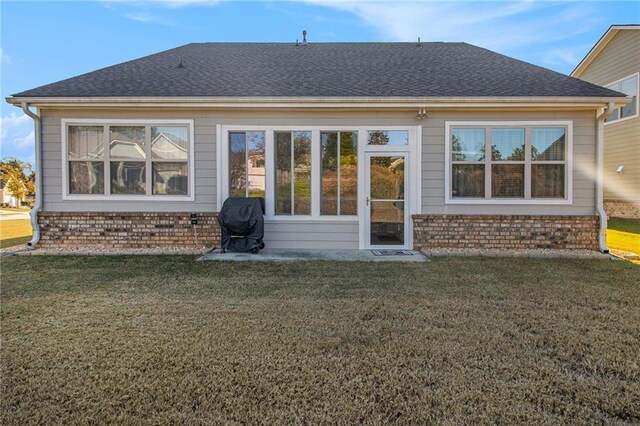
[[242, 223]]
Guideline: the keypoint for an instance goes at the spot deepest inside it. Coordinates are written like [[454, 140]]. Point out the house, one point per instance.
[[614, 62], [352, 145], [7, 198]]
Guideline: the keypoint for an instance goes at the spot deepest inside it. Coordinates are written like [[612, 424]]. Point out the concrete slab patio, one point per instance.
[[283, 255]]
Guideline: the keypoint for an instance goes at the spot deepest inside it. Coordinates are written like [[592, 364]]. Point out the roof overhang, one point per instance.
[[322, 102], [599, 46]]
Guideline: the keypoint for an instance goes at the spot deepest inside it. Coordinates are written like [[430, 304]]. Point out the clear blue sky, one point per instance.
[[43, 42]]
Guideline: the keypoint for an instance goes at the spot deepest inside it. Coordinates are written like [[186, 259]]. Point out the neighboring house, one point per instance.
[[352, 145], [614, 62], [7, 196]]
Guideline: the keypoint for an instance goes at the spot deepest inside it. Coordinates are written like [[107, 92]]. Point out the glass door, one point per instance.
[[386, 207]]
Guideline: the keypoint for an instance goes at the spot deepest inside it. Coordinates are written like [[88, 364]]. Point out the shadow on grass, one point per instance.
[[14, 242]]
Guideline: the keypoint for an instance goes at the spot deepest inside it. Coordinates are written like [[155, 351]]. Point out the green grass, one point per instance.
[[14, 232], [168, 340], [625, 225], [624, 234]]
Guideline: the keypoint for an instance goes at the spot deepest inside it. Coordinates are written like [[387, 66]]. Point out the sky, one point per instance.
[[43, 42]]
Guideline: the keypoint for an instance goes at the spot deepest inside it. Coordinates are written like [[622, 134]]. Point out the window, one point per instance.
[[628, 86], [468, 168], [292, 173], [304, 172], [505, 162], [127, 160], [86, 159], [247, 164], [548, 146], [388, 137], [339, 186]]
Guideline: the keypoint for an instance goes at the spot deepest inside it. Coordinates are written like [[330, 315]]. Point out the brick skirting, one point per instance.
[[505, 232], [625, 209], [127, 230]]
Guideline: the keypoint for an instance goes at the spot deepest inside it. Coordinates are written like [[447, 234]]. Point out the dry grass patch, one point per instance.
[[455, 340]]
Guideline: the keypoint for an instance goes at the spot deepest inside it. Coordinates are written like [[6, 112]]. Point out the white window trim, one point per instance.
[[66, 122], [222, 155], [510, 201], [637, 114]]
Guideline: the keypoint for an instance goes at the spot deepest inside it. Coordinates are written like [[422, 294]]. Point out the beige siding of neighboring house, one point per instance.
[[620, 58], [319, 233]]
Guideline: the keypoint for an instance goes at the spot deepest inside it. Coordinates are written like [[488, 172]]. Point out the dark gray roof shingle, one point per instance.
[[322, 70]]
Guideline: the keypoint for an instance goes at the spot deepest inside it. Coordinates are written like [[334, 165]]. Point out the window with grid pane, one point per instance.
[[128, 159], [503, 162]]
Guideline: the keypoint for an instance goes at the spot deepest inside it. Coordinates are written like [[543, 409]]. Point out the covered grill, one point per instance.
[[242, 224]]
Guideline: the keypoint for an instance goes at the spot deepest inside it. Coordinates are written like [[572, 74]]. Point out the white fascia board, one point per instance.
[[323, 102]]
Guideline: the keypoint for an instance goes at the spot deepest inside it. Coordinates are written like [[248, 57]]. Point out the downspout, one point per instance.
[[38, 145], [602, 236]]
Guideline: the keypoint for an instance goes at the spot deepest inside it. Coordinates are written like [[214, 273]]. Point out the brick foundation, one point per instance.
[[505, 232], [127, 230], [625, 209]]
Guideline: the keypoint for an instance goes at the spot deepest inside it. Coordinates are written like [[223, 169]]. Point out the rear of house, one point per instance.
[[352, 145], [614, 62]]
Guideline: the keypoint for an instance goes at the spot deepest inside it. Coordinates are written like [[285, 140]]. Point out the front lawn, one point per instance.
[[457, 340], [14, 232]]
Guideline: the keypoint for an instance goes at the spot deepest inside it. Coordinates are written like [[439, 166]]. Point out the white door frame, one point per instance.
[[413, 181]]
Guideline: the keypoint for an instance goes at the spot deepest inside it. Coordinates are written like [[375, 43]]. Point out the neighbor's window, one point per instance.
[[388, 137], [142, 159], [508, 162], [339, 173], [292, 173], [628, 86], [246, 164]]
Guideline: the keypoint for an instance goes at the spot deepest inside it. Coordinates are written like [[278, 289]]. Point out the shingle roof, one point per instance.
[[322, 70]]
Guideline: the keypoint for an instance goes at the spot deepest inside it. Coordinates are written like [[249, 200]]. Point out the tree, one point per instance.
[[19, 171], [14, 184]]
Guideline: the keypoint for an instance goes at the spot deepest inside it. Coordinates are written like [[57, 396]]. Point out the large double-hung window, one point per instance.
[[127, 159], [508, 162]]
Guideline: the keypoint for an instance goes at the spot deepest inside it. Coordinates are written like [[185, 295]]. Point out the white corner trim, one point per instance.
[[219, 158], [449, 200], [65, 122]]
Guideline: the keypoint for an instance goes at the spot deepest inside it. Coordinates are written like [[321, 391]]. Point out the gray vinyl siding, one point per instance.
[[619, 59], [311, 235], [318, 233]]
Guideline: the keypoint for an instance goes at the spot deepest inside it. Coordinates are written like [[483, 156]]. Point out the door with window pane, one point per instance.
[[386, 205]]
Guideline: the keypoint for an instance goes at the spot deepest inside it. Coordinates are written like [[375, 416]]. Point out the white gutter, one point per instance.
[[38, 146], [322, 102], [602, 236]]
